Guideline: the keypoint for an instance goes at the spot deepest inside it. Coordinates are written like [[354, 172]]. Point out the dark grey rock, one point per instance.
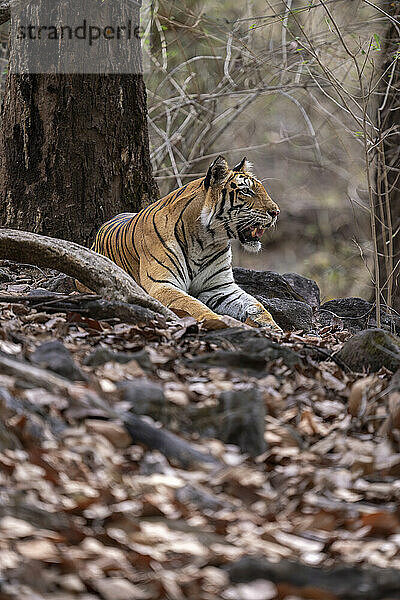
[[371, 350], [265, 283], [100, 356], [243, 420], [288, 308], [355, 314], [55, 357], [307, 288], [249, 363], [289, 314], [145, 397], [252, 342]]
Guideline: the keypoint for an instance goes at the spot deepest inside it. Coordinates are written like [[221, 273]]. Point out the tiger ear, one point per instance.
[[244, 166], [217, 174]]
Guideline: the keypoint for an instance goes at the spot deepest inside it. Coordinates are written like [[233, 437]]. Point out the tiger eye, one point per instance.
[[233, 185]]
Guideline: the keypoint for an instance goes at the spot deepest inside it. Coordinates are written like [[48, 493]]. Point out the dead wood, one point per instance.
[[173, 447], [96, 272], [23, 371], [347, 583], [92, 307]]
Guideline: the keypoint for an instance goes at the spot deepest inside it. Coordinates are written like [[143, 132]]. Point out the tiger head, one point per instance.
[[236, 204]]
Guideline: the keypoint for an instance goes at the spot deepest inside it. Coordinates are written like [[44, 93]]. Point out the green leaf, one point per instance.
[[377, 41]]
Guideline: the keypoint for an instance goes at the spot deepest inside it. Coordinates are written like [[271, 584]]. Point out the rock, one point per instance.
[[355, 314], [371, 349], [265, 283], [100, 356], [252, 342], [249, 363], [145, 397], [289, 314], [288, 308], [243, 420], [237, 418], [305, 287], [55, 357]]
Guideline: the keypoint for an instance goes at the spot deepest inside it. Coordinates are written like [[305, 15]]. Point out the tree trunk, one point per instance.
[[388, 164], [73, 152]]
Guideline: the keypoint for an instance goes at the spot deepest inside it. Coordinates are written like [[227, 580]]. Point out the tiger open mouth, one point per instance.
[[253, 233]]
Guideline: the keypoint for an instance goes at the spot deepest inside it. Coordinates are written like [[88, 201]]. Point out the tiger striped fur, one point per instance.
[[178, 248]]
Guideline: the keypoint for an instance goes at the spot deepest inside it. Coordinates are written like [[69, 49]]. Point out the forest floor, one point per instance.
[[93, 508]]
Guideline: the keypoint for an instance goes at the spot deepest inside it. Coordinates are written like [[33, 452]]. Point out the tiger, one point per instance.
[[178, 249]]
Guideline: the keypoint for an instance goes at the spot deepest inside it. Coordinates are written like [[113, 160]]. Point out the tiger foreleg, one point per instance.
[[233, 301], [182, 303]]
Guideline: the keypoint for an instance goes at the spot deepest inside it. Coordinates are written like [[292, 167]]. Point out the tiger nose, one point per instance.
[[274, 213]]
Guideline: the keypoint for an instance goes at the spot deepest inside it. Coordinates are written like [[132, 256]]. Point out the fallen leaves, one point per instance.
[[87, 513]]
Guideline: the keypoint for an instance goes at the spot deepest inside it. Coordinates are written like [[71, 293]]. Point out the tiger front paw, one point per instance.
[[263, 319]]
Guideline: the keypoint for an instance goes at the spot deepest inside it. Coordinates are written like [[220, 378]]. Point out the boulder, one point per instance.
[[371, 350], [291, 315], [288, 307], [305, 287], [265, 283], [55, 357], [355, 314]]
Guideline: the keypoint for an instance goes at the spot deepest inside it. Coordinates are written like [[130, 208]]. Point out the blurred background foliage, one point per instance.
[[273, 80]]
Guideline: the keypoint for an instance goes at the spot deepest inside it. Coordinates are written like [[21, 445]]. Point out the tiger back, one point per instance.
[[178, 248]]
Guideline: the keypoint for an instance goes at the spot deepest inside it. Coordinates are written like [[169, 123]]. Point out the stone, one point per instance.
[[145, 397], [252, 342], [307, 288], [243, 420], [355, 314], [249, 363], [288, 308], [101, 356], [264, 283], [55, 357], [371, 350], [291, 315]]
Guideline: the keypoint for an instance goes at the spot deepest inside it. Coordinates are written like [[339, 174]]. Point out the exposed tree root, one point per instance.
[[96, 272]]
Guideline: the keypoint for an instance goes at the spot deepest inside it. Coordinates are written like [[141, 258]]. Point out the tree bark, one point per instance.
[[74, 152], [388, 164]]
